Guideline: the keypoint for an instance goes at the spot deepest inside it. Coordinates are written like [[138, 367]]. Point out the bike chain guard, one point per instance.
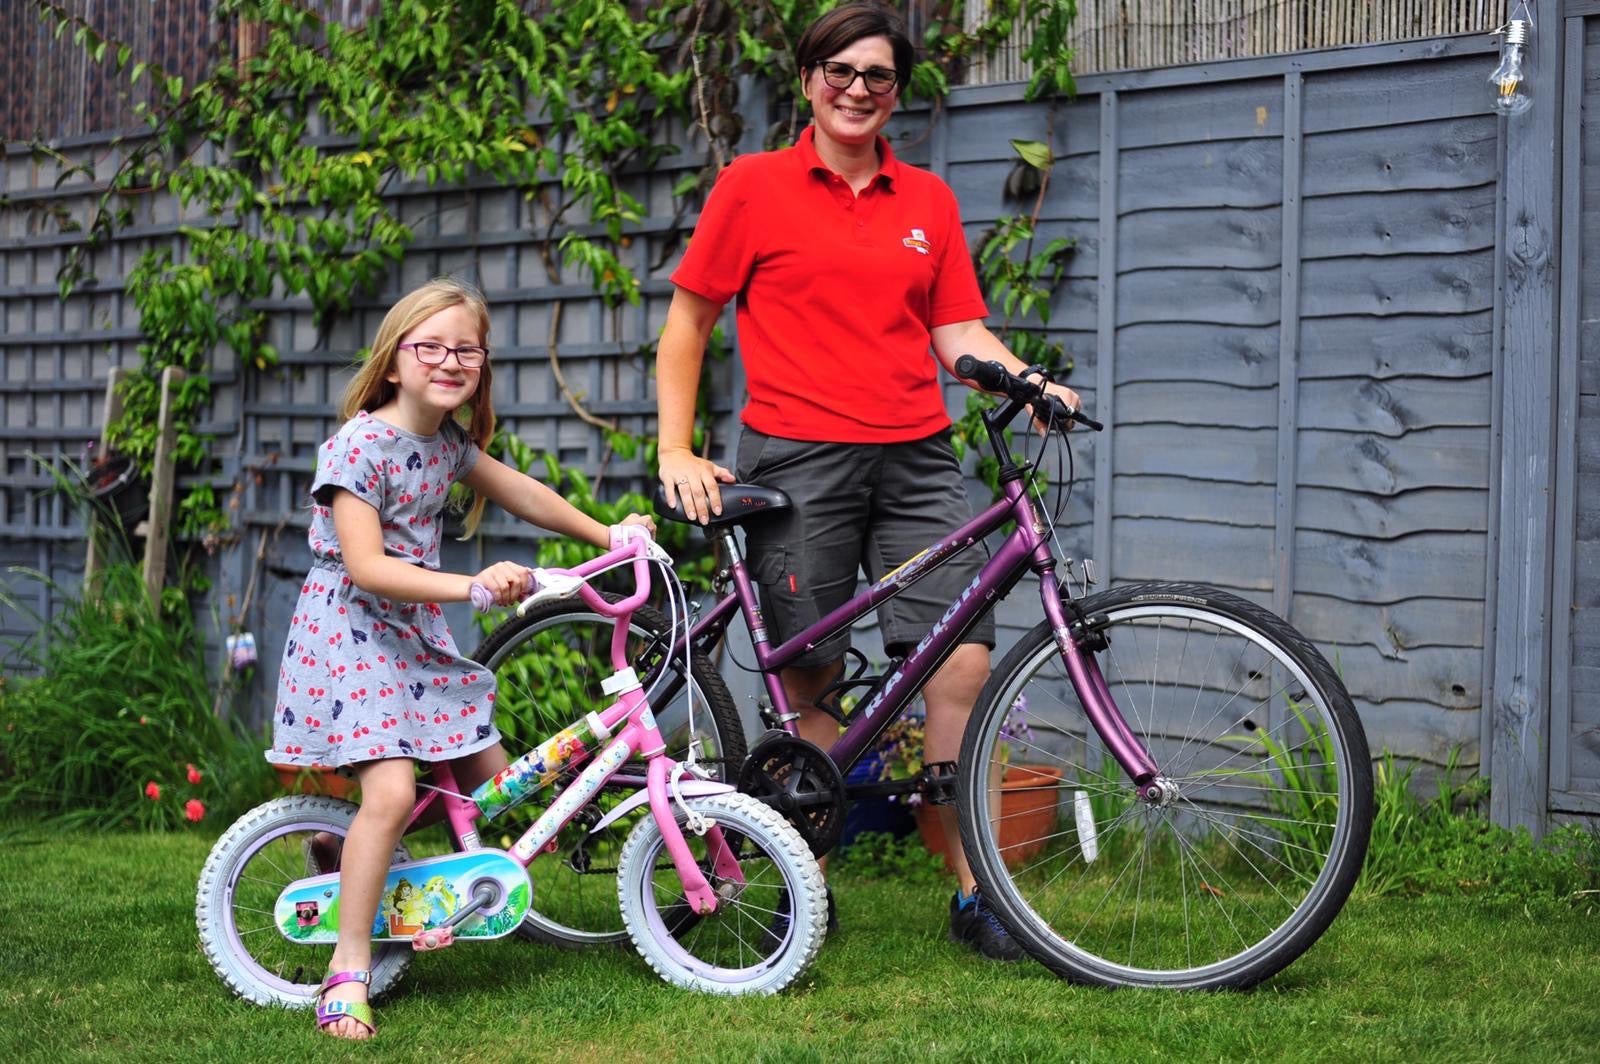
[[802, 783], [474, 894]]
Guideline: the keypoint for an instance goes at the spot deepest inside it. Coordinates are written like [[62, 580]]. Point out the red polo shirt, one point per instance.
[[837, 292]]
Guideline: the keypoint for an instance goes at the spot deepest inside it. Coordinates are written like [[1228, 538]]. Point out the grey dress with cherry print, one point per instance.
[[363, 677]]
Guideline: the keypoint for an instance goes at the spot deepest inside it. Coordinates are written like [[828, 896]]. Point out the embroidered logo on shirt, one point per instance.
[[917, 240]]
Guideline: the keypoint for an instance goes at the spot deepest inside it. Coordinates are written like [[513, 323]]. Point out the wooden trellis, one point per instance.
[[1132, 34]]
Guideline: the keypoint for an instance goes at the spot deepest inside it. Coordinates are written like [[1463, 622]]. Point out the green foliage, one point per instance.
[[1047, 51], [875, 855], [117, 728], [1023, 281], [1435, 845], [1024, 286], [1301, 785], [901, 746], [694, 567], [1442, 845], [286, 155]]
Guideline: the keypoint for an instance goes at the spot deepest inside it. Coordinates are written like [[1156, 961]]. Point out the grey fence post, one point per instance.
[[1520, 698]]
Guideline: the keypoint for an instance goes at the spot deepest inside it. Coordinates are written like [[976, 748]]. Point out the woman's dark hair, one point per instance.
[[843, 26]]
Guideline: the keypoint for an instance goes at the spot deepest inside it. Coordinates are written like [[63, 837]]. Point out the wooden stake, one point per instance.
[[161, 487], [94, 560]]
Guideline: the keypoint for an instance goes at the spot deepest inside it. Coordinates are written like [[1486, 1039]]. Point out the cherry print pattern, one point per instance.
[[363, 677]]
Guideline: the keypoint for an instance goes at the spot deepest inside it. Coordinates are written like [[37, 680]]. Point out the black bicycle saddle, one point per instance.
[[740, 503]]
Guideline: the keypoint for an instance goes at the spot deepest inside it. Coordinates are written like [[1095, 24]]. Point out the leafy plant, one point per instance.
[[1023, 281], [875, 855], [1298, 776], [1015, 729], [1436, 845], [298, 143], [901, 748], [1442, 845], [313, 130], [694, 567], [117, 727]]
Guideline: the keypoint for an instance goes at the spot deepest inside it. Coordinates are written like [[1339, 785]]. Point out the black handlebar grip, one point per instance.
[[991, 376]]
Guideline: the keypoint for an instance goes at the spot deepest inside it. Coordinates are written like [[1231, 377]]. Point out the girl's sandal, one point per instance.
[[334, 1011]]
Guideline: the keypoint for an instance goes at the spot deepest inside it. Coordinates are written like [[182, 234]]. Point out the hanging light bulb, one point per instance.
[[1511, 88]]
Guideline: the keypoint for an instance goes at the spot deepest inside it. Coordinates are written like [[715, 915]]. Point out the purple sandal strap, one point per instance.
[[359, 975]]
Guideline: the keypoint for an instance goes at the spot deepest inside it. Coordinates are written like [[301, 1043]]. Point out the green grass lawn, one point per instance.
[[99, 960]]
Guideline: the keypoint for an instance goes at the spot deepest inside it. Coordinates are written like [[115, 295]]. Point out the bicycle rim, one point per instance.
[[1246, 859], [771, 916], [548, 666], [250, 865]]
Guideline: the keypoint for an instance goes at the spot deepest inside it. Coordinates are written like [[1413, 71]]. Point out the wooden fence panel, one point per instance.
[[1394, 414], [1356, 199], [1575, 716]]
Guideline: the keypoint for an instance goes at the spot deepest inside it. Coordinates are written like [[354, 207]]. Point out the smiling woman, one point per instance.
[[848, 267], [850, 105]]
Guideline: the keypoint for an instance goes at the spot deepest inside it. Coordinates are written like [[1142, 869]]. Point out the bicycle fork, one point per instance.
[[1078, 643], [638, 735]]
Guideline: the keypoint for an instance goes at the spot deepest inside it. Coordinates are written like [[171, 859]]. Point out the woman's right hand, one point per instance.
[[687, 477], [508, 582]]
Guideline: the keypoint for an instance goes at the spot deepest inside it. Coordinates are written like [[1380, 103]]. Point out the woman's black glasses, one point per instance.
[[879, 81]]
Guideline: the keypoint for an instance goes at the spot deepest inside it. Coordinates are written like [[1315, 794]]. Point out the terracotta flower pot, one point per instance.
[[1028, 807], [315, 779]]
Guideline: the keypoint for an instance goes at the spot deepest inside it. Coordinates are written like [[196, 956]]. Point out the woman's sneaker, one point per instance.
[[973, 923]]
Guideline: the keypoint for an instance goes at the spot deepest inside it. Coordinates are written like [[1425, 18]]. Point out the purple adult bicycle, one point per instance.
[[1205, 782]]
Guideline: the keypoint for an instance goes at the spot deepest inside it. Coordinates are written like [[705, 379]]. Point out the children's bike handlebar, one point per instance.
[[631, 543]]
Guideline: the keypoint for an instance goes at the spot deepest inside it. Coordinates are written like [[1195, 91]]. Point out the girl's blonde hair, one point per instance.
[[371, 388]]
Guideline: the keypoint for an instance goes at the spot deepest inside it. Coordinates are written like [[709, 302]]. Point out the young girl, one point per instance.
[[371, 676]]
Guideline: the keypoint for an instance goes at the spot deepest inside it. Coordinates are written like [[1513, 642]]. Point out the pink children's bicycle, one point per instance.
[[717, 891]]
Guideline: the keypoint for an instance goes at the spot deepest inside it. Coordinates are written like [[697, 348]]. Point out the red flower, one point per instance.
[[144, 720], [152, 790], [194, 774], [193, 809]]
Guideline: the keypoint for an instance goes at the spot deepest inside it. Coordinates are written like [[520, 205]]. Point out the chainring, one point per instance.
[[802, 783]]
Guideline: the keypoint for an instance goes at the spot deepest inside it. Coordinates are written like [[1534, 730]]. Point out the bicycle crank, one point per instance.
[[802, 783]]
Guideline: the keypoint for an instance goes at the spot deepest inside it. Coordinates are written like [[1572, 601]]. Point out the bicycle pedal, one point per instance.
[[939, 779], [438, 938]]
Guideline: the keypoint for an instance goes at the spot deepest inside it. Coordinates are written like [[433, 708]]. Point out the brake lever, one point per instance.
[[549, 585], [1066, 412]]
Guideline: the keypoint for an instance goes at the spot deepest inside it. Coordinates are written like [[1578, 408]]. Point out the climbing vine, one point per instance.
[[291, 156]]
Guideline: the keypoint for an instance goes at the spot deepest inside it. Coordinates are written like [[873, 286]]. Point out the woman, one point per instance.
[[849, 267]]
